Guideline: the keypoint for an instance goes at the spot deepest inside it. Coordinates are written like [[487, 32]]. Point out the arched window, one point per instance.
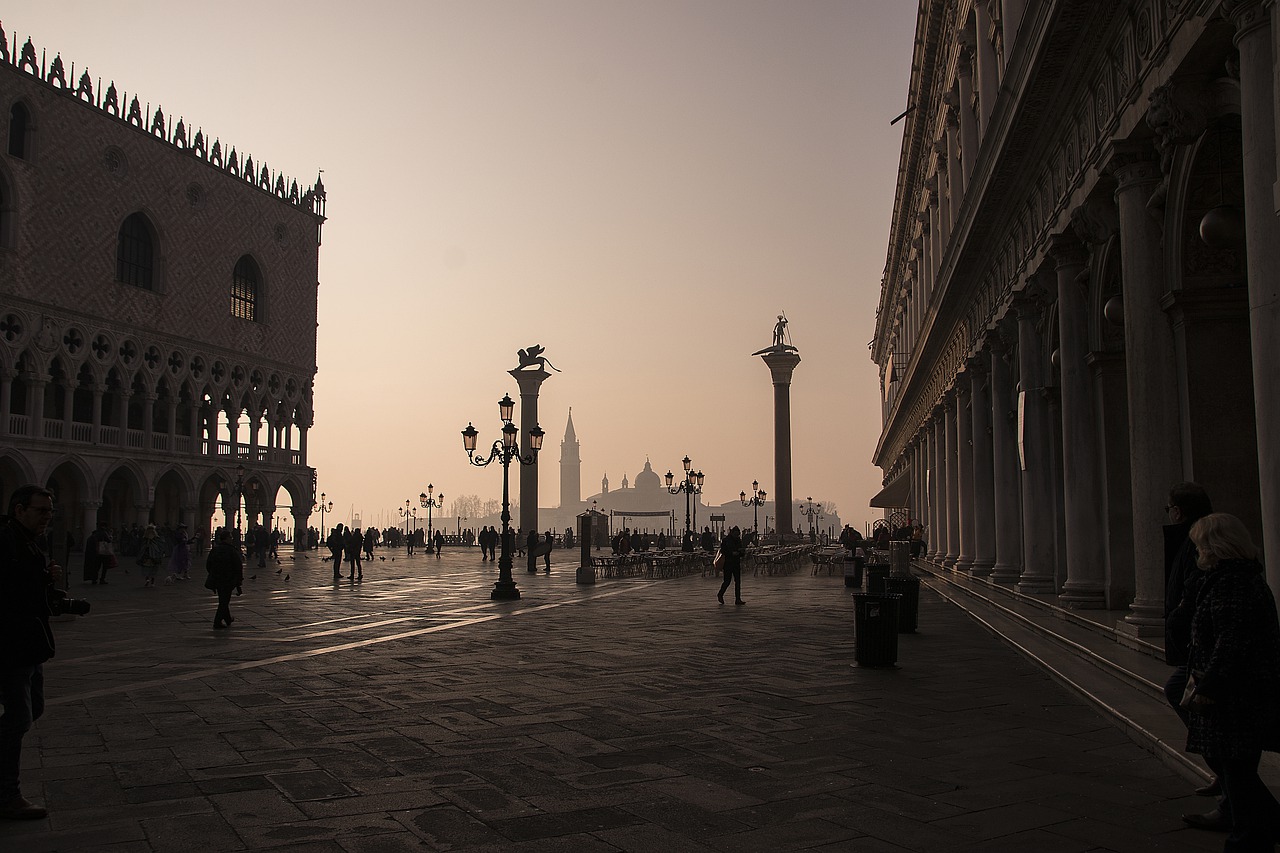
[[19, 120], [245, 284], [135, 253]]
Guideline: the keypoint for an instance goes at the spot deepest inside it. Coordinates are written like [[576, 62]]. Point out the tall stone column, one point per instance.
[[964, 473], [1083, 499], [938, 554], [148, 419], [1005, 469], [953, 479], [1155, 438], [530, 381], [35, 398], [988, 72], [968, 119], [984, 512], [782, 361], [1259, 116], [1039, 555]]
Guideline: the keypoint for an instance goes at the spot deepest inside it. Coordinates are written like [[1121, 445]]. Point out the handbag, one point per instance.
[[718, 562], [209, 582], [105, 549], [1189, 692]]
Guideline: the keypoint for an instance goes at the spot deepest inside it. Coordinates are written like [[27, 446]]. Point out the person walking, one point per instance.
[[353, 543], [225, 565], [150, 555], [732, 550], [547, 544], [96, 547], [27, 584], [180, 559], [438, 541], [1233, 692], [334, 543]]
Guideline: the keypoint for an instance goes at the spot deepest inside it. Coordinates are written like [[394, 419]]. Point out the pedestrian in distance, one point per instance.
[[438, 540], [28, 596], [97, 547], [225, 565], [180, 559], [352, 544], [547, 545], [732, 550], [150, 555], [334, 544]]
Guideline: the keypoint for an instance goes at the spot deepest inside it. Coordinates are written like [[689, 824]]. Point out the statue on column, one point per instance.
[[781, 338]]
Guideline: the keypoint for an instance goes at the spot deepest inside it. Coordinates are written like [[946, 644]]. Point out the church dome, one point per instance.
[[648, 479]]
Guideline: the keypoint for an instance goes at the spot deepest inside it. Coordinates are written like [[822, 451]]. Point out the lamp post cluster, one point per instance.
[[690, 485], [237, 494], [407, 512], [755, 502], [431, 501], [505, 450], [813, 511]]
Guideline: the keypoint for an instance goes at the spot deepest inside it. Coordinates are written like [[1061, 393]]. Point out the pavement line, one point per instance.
[[222, 669]]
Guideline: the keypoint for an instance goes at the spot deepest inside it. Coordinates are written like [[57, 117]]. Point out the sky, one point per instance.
[[641, 187]]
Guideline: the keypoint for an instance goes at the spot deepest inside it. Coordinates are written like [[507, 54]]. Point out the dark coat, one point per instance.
[[1182, 581], [732, 549], [226, 567], [1235, 658], [25, 582]]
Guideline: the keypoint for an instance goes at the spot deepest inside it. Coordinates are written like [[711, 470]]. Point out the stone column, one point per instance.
[[938, 553], [782, 363], [988, 73], [1155, 438], [1005, 468], [1039, 556], [255, 426], [530, 381], [968, 119], [1011, 12], [95, 435], [302, 443], [955, 171], [6, 397], [35, 395], [950, 426], [1083, 499], [984, 513], [171, 424], [964, 473], [1259, 116], [148, 419], [68, 409]]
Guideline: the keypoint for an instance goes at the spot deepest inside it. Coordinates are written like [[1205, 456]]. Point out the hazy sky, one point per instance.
[[639, 186]]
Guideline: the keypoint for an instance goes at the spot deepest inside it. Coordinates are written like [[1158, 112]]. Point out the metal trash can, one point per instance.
[[900, 558], [907, 587], [853, 571], [876, 573], [875, 629]]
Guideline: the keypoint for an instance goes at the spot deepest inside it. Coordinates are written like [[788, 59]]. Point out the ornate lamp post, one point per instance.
[[429, 502], [690, 485], [755, 502], [237, 494], [813, 511], [324, 506], [407, 512], [504, 451]]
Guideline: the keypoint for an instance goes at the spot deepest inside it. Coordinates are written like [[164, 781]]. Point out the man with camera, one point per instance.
[[28, 597]]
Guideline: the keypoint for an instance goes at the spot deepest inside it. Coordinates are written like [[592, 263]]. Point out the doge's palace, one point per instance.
[[157, 310]]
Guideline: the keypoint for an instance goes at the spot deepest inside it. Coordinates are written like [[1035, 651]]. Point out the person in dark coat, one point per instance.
[[1233, 698], [548, 544], [438, 541], [27, 577], [732, 550], [225, 565], [93, 561], [334, 543]]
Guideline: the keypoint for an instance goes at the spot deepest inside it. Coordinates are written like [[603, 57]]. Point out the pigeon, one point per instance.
[[253, 577], [286, 577], [383, 559]]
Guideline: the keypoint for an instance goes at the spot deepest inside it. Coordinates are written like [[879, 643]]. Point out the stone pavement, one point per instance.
[[410, 712]]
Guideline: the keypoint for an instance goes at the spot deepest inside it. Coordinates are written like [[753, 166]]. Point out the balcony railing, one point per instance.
[[136, 439]]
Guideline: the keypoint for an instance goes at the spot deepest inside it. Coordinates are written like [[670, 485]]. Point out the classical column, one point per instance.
[[939, 552], [1259, 116], [955, 170], [302, 443], [6, 397], [95, 436], [988, 73], [255, 426], [782, 363], [35, 398], [1005, 469], [68, 409], [1083, 499], [148, 419], [1154, 432], [1039, 555], [530, 381], [171, 423], [1011, 12], [968, 119], [964, 473], [984, 510], [950, 427]]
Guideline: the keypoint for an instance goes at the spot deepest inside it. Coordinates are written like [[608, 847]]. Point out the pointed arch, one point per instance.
[[246, 289], [137, 252]]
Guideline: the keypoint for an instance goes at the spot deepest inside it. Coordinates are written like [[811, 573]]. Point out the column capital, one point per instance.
[[1067, 251], [1133, 164], [1247, 15], [1095, 221]]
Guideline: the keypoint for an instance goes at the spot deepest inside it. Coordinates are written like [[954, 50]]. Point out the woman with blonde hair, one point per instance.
[[1233, 695]]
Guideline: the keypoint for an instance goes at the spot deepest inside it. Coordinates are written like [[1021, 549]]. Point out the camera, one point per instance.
[[60, 604]]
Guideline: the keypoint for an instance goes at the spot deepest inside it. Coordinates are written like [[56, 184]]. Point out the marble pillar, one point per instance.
[[952, 502], [1004, 468], [1155, 439], [782, 362], [1039, 556], [931, 490], [984, 515], [964, 473], [530, 381], [1083, 498], [940, 485]]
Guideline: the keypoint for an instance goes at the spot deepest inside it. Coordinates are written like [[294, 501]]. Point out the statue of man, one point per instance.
[[778, 331]]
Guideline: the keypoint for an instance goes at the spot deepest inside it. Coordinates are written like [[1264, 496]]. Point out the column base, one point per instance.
[[1145, 619], [1036, 584], [964, 563], [586, 574], [1006, 574], [505, 591], [981, 568], [1080, 596], [949, 561]]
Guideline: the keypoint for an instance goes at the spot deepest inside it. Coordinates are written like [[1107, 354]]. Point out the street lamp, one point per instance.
[[407, 512], [755, 502], [504, 450], [324, 506], [812, 510], [237, 495], [430, 502], [690, 485]]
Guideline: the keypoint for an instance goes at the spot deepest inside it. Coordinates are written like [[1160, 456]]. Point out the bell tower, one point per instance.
[[570, 468]]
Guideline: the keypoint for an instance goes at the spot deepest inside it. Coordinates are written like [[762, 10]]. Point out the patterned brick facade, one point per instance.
[[126, 399]]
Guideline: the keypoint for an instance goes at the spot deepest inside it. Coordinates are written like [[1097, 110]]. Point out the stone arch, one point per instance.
[[173, 490], [15, 470], [22, 125], [125, 495], [71, 480], [140, 252]]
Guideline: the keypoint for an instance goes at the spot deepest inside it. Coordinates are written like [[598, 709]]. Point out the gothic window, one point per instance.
[[135, 253], [246, 284], [19, 122]]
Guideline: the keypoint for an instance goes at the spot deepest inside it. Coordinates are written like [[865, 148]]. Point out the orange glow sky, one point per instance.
[[639, 186]]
